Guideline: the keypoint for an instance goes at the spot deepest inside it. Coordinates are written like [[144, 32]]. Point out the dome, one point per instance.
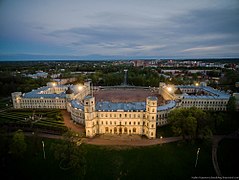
[[69, 91]]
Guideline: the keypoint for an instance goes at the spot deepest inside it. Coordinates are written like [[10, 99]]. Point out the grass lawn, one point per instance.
[[3, 102], [228, 157], [168, 161]]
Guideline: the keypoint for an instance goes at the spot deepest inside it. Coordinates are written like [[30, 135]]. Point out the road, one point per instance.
[[111, 140], [69, 123], [215, 142]]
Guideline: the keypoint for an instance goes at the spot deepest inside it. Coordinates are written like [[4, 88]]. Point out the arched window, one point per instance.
[[125, 130], [106, 129]]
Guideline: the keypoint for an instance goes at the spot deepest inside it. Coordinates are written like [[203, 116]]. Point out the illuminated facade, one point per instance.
[[120, 118]]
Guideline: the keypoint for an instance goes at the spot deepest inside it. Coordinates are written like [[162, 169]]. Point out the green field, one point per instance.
[[4, 102], [33, 119], [228, 157], [168, 161]]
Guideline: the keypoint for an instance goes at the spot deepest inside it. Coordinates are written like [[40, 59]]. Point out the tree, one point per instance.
[[191, 123], [68, 154], [231, 105], [18, 146]]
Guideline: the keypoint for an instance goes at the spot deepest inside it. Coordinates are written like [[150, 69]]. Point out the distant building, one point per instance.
[[237, 84], [236, 95], [39, 74]]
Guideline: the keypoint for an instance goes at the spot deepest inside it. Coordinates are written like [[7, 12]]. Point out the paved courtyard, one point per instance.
[[126, 95]]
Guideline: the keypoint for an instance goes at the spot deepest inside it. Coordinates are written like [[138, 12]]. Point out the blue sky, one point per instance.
[[125, 28]]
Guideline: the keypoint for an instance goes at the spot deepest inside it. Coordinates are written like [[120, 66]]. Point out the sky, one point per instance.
[[119, 28]]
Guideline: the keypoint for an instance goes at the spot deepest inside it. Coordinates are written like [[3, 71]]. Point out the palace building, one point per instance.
[[106, 117]]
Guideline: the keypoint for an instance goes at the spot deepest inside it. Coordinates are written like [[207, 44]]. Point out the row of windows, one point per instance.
[[125, 130], [42, 101], [50, 107], [162, 116], [123, 123], [106, 115], [209, 108], [204, 102], [77, 114]]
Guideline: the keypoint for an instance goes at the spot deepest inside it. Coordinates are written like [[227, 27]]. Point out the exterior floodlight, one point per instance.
[[169, 89], [53, 84], [197, 84], [80, 87]]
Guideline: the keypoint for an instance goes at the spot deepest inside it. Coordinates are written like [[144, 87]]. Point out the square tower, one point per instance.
[[90, 122], [151, 116]]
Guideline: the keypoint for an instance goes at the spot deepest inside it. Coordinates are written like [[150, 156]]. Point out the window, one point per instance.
[[106, 129], [134, 130], [125, 130]]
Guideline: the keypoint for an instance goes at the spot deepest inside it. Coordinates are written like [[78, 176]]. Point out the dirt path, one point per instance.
[[215, 141], [128, 140], [70, 124]]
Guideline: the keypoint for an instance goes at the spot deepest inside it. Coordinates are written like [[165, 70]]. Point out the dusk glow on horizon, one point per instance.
[[92, 29]]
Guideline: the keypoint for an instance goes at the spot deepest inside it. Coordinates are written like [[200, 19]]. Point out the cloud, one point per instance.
[[152, 28]]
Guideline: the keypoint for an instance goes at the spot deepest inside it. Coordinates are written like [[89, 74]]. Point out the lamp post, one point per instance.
[[43, 148], [197, 157]]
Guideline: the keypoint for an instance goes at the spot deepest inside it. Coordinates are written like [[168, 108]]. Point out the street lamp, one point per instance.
[[43, 148], [197, 157], [196, 84]]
